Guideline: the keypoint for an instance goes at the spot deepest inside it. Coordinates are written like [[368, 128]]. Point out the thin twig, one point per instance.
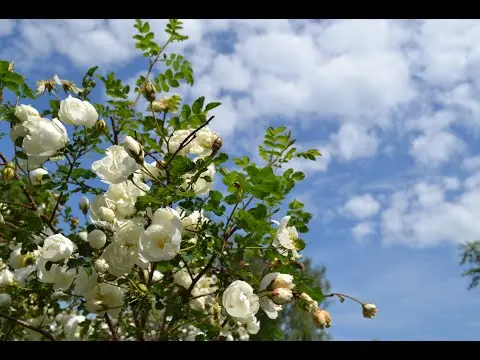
[[111, 327], [28, 326]]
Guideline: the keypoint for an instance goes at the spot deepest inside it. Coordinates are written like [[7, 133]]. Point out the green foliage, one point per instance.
[[470, 256]]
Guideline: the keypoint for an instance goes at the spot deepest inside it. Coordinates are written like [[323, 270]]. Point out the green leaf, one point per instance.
[[198, 104], [186, 111], [181, 165], [21, 155], [295, 204], [92, 70], [145, 28], [212, 105], [4, 66], [13, 78], [298, 176], [54, 104]]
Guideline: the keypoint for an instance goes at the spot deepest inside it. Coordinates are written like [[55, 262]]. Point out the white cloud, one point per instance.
[[363, 206], [361, 230], [354, 141], [472, 162], [435, 149]]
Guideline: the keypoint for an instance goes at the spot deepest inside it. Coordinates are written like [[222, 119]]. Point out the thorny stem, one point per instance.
[[114, 130], [28, 326]]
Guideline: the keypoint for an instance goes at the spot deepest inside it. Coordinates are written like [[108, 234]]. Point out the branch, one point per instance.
[[28, 326], [111, 327]]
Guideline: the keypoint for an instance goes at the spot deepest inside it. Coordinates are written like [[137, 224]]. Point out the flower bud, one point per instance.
[[6, 278], [106, 214], [11, 66], [275, 263], [217, 144], [97, 239], [8, 174], [149, 91], [101, 125], [283, 281], [5, 300], [281, 296], [101, 265], [75, 222], [84, 205], [142, 288], [134, 149], [307, 303], [322, 319], [369, 310]]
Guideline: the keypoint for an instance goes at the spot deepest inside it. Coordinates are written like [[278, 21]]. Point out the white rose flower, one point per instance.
[[70, 328], [24, 274], [85, 282], [5, 300], [107, 298], [116, 166], [267, 305], [16, 259], [182, 278], [201, 186], [253, 325], [285, 239], [161, 240], [22, 112], [37, 175], [32, 162], [74, 111], [239, 301], [6, 278], [60, 276], [204, 139], [44, 137], [101, 265], [283, 281], [122, 197], [97, 239], [123, 253], [176, 140], [57, 247]]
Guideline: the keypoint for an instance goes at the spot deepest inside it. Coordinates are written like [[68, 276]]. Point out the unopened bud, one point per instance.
[[84, 205], [282, 281], [369, 310], [281, 296], [217, 144], [149, 91], [322, 319], [299, 265], [55, 196], [307, 303], [11, 66], [134, 149], [8, 174], [106, 214], [101, 265], [142, 288], [160, 105], [75, 222], [101, 125]]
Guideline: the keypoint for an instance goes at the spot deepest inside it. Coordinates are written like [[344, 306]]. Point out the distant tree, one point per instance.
[[293, 323], [470, 253]]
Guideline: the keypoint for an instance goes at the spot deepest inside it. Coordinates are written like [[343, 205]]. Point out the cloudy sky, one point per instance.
[[392, 105]]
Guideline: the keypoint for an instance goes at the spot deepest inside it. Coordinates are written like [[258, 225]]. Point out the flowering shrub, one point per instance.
[[162, 253]]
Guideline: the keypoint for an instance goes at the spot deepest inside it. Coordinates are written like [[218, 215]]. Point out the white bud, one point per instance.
[[134, 149], [97, 239], [157, 276], [281, 296], [6, 278], [369, 310], [84, 204], [101, 265], [5, 300], [106, 214]]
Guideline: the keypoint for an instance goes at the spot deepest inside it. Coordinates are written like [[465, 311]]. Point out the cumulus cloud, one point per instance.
[[363, 206], [435, 149], [361, 230]]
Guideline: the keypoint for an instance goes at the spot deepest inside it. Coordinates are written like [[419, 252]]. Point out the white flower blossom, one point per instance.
[[60, 276], [43, 137], [203, 142], [74, 111], [240, 302], [116, 166], [22, 112], [106, 298], [57, 247], [161, 240], [85, 281], [203, 185], [36, 176], [97, 239], [285, 239], [176, 140], [6, 278]]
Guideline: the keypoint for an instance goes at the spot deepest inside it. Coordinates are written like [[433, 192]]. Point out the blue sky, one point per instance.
[[393, 107]]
